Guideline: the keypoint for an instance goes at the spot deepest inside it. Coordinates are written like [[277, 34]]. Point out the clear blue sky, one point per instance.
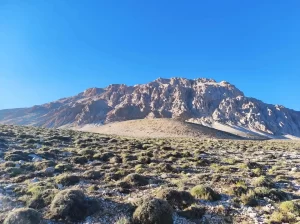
[[57, 48]]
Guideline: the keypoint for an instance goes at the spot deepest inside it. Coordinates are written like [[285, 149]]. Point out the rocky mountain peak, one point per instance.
[[201, 100], [92, 92]]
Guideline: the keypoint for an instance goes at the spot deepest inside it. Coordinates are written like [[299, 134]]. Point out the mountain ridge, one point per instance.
[[201, 100]]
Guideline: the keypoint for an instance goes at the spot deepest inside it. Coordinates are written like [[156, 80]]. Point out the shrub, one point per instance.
[[15, 156], [177, 199], [69, 205], [238, 191], [205, 193], [37, 188], [112, 176], [253, 165], [230, 161], [87, 152], [193, 212], [153, 211], [23, 216], [248, 199], [288, 212], [44, 164], [289, 206], [273, 194], [80, 160], [9, 164], [276, 217], [123, 220], [93, 188], [62, 167], [257, 172], [166, 168], [13, 171], [144, 159], [41, 199], [135, 179], [282, 178], [103, 156], [92, 174], [67, 179], [262, 181], [116, 159]]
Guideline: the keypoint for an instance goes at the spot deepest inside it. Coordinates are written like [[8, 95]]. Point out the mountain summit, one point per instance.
[[202, 100]]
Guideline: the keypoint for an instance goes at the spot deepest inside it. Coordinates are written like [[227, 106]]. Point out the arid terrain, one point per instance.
[[65, 176], [159, 128]]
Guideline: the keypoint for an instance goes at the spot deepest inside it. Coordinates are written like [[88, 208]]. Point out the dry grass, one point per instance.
[[158, 128]]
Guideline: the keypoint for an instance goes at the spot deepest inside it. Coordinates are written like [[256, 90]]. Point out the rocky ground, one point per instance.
[[62, 176]]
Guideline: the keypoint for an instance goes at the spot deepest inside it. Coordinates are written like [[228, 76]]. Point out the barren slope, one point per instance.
[[158, 128]]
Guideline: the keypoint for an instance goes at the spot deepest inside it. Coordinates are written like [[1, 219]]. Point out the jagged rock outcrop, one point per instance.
[[201, 100]]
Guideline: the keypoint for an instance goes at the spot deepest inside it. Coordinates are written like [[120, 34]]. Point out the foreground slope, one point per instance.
[[203, 101], [159, 128], [51, 173]]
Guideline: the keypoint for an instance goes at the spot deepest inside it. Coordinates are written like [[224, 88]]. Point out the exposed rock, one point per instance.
[[200, 100], [50, 170]]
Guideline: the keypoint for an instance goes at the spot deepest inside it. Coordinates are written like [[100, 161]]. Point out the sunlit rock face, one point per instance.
[[201, 100]]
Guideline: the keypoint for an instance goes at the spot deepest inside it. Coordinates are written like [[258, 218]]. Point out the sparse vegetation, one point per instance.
[[70, 205], [153, 211], [177, 199], [60, 173], [205, 193], [249, 198], [23, 216], [67, 179], [288, 212]]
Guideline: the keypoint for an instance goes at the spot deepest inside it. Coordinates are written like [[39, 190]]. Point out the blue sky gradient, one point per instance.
[[58, 48]]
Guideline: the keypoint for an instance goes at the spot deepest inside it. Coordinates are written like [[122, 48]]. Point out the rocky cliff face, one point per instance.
[[200, 100]]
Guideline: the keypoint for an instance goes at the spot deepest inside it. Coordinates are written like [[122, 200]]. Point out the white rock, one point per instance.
[[164, 176], [35, 180], [21, 162], [49, 170], [5, 176], [67, 154], [295, 169], [35, 158], [9, 187]]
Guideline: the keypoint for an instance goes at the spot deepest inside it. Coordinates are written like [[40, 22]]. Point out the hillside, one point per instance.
[[159, 128], [202, 101], [47, 174]]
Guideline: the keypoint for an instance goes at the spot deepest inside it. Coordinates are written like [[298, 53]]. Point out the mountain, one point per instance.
[[203, 101]]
